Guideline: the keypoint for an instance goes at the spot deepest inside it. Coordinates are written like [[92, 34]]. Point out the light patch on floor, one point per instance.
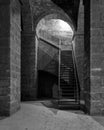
[[36, 116]]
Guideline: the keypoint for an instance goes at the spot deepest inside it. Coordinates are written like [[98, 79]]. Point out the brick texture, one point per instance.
[[28, 66], [15, 55], [97, 58], [87, 56], [9, 57], [4, 61], [94, 61], [47, 57]]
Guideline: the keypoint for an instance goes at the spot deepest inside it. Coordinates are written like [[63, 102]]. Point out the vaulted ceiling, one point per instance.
[[41, 7], [70, 7]]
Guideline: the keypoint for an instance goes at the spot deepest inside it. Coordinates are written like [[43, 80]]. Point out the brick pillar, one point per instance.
[[9, 57], [15, 55], [86, 72], [97, 57], [79, 46], [29, 65], [94, 51]]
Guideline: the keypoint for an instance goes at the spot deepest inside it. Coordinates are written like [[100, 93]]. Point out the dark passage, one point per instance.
[[46, 83]]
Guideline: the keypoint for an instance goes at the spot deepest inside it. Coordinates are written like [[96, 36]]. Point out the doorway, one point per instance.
[[46, 82], [49, 34]]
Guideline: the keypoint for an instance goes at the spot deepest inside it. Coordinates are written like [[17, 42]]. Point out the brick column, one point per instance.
[[29, 65], [86, 72], [94, 51], [9, 57], [97, 57], [15, 55]]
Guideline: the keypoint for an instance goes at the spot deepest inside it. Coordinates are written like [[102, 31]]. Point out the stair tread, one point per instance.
[[68, 89]]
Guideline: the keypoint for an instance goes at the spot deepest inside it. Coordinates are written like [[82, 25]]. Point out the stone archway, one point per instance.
[[29, 44], [40, 65]]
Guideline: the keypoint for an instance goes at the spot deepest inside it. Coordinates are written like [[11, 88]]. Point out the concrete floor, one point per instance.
[[36, 116]]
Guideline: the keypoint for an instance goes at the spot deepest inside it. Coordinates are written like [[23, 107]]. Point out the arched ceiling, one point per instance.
[[36, 9], [70, 7]]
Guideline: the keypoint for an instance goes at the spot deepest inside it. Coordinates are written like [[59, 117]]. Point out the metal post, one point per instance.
[[75, 73], [36, 62], [59, 78]]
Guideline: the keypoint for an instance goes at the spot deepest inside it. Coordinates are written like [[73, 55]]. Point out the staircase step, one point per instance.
[[70, 106], [66, 84], [68, 91], [67, 87], [68, 95]]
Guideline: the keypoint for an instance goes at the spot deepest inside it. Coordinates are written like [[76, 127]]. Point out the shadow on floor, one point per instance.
[[2, 118], [99, 119]]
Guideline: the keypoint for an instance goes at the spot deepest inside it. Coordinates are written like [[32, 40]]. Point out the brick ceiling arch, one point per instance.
[[46, 19], [34, 10], [70, 7], [55, 15], [47, 7], [26, 19]]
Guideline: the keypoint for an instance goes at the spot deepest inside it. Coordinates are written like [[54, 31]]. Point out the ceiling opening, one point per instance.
[[56, 27]]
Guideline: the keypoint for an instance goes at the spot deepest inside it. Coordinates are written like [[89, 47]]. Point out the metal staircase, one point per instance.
[[69, 86], [68, 83]]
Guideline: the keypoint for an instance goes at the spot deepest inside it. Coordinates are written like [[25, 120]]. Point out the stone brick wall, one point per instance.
[[4, 60], [97, 57], [26, 21], [79, 47], [94, 57], [47, 57], [41, 8], [9, 57], [28, 66], [86, 71], [28, 54], [15, 55]]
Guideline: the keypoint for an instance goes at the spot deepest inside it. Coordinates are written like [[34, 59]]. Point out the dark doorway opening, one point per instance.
[[46, 84]]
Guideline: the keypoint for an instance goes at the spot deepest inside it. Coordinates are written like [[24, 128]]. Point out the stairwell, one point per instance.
[[69, 91], [63, 66]]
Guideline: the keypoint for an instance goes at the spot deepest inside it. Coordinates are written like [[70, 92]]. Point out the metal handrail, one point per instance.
[[76, 76], [59, 90]]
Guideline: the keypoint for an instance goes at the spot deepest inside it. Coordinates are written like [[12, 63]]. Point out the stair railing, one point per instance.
[[76, 76], [55, 46], [59, 71]]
